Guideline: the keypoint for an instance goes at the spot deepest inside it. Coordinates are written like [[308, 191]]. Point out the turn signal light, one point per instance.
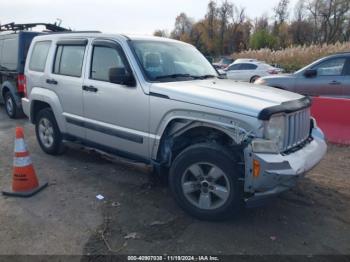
[[256, 168]]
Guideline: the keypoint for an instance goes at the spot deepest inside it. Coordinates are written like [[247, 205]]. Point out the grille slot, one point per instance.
[[297, 128]]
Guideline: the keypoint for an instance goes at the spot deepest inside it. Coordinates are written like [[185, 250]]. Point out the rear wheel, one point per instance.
[[254, 78], [204, 181], [10, 105], [48, 133]]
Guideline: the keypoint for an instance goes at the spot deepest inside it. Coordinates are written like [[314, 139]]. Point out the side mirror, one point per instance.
[[119, 75], [310, 73]]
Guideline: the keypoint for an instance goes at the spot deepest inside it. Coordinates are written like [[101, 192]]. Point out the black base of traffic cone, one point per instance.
[[27, 193]]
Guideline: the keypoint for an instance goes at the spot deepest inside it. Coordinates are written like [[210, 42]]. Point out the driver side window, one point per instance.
[[104, 59], [331, 67]]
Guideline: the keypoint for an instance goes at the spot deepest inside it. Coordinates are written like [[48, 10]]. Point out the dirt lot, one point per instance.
[[137, 216]]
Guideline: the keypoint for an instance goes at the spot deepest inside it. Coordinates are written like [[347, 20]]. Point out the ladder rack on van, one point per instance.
[[20, 27]]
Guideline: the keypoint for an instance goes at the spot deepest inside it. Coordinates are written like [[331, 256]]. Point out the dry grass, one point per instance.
[[294, 58]]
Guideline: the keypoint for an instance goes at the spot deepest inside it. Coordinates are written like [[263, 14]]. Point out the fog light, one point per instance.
[[256, 168]]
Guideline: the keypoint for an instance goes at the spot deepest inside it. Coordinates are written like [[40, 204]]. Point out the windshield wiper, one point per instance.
[[185, 75], [172, 76], [204, 76]]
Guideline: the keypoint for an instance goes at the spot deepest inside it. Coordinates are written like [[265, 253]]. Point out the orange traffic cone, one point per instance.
[[24, 180]]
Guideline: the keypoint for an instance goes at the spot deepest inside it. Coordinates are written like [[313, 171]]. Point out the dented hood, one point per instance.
[[224, 94]]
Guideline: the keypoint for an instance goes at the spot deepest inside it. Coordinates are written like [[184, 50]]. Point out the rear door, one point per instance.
[[248, 71], [66, 79], [329, 80], [36, 71]]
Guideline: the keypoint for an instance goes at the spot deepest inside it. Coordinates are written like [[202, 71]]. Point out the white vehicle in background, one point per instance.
[[249, 70]]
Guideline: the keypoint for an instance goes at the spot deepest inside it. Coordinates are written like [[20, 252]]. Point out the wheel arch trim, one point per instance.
[[236, 129], [49, 97], [13, 90]]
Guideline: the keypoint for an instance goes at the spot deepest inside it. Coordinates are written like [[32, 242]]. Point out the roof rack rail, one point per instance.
[[20, 27], [77, 32]]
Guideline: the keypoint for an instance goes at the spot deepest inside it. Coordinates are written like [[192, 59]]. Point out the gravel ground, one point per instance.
[[138, 216]]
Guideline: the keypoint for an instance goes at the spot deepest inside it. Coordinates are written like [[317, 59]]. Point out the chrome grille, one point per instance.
[[297, 128]]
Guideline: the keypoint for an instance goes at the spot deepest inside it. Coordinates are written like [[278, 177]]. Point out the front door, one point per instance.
[[329, 80], [234, 72], [116, 115]]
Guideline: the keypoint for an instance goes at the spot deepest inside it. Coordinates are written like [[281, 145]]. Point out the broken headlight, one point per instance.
[[274, 133], [275, 130]]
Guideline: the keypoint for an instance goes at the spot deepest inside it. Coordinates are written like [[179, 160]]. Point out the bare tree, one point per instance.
[[281, 11], [236, 37], [183, 25], [211, 16], [300, 29], [225, 14], [300, 11], [226, 28], [334, 14], [261, 23], [330, 18], [161, 33]]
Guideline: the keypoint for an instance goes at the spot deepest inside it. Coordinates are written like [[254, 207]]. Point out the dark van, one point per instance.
[[15, 40]]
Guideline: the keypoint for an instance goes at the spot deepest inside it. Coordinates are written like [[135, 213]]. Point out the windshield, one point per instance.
[[170, 61]]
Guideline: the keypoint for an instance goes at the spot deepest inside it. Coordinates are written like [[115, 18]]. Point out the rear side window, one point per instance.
[[9, 54], [248, 67], [69, 60], [103, 59], [39, 56]]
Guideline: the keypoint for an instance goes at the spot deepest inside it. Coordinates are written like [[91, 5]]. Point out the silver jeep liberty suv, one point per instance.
[[159, 101]]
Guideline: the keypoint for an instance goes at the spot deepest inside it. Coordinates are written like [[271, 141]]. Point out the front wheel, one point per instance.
[[48, 133], [204, 181]]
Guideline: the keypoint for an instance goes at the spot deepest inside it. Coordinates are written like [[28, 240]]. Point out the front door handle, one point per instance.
[[51, 81], [334, 82], [90, 89]]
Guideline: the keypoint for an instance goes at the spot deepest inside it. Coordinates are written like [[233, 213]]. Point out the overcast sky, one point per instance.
[[118, 16]]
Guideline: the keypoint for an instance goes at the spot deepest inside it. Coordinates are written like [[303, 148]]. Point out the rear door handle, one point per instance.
[[90, 89], [51, 81], [334, 82]]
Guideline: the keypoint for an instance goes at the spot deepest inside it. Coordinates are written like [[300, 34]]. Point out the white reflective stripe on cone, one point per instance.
[[20, 145], [22, 161]]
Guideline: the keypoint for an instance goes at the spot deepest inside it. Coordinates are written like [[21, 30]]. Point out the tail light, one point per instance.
[[272, 72], [22, 84]]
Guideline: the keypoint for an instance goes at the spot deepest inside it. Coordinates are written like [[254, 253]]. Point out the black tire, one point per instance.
[[56, 147], [12, 111], [218, 156], [254, 78]]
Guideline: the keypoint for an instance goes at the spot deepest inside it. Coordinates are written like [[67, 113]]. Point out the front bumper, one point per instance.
[[279, 172]]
